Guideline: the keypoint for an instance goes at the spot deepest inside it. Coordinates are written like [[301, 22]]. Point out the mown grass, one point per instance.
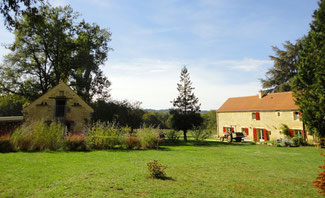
[[211, 170]]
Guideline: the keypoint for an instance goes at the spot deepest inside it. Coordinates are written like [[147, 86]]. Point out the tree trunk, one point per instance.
[[185, 137]]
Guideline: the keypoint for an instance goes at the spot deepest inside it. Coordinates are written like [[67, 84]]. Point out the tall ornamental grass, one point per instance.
[[37, 135], [148, 137], [105, 136]]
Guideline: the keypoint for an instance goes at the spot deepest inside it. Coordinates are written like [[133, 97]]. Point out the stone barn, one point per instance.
[[62, 104]]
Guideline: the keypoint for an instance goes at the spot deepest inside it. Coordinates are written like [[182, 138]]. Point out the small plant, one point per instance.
[[5, 145], [75, 142], [156, 170], [320, 179]]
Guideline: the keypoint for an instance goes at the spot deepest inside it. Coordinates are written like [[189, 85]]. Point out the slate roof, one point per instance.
[[269, 102]]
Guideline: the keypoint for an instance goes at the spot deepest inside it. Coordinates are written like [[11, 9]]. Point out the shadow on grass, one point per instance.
[[206, 143], [166, 146], [163, 178]]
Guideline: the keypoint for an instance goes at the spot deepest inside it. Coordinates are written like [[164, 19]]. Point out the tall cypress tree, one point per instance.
[[186, 106], [309, 84]]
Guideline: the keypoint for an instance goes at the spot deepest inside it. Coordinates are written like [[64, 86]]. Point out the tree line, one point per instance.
[[53, 44]]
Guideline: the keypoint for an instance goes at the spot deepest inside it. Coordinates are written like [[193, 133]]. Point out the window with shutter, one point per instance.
[[257, 116], [246, 131], [292, 134], [265, 135], [255, 134]]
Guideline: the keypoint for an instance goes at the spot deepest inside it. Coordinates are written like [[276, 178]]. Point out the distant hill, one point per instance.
[[166, 110]]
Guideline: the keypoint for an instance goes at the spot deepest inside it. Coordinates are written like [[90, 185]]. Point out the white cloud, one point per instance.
[[154, 81], [57, 3], [246, 64]]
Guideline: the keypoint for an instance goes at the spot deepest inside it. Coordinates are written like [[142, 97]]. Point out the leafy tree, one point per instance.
[[209, 120], [277, 78], [12, 9], [123, 113], [186, 114], [11, 105], [309, 84], [150, 119], [156, 119], [51, 46]]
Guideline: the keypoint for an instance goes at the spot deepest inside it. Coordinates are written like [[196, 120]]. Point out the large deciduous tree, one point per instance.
[[12, 9], [51, 46], [277, 78], [309, 84], [185, 114]]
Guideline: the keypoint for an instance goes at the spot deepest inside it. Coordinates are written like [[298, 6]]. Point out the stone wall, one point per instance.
[[77, 112], [269, 120]]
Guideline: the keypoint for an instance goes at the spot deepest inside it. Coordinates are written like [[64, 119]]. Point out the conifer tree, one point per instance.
[[277, 78], [309, 84], [186, 106]]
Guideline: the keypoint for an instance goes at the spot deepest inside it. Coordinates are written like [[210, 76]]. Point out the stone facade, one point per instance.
[[62, 104], [270, 121], [260, 117]]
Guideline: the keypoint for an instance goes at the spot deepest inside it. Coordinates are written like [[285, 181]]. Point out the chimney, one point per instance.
[[260, 94]]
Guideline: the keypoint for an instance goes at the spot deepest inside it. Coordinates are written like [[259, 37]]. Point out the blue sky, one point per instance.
[[225, 44]]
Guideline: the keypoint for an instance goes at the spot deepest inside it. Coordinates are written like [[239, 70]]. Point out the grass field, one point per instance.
[[211, 170]]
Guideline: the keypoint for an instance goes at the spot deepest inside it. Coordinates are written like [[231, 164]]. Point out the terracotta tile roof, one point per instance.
[[274, 101]]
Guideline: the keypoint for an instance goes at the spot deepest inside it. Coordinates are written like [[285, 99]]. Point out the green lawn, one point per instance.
[[212, 170]]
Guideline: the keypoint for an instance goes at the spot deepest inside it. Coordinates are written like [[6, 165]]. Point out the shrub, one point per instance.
[[298, 141], [172, 135], [105, 136], [95, 137], [156, 170], [75, 142], [37, 136], [200, 134], [148, 137], [320, 180], [132, 142], [284, 143], [5, 145], [54, 135], [285, 130]]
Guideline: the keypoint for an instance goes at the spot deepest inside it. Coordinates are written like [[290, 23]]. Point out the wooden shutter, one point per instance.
[[246, 131], [257, 115], [292, 134], [224, 129], [255, 134], [265, 134], [232, 130]]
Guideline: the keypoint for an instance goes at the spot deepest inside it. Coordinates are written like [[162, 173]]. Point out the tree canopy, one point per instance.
[[51, 46], [122, 113], [277, 78], [185, 114], [309, 84], [12, 9]]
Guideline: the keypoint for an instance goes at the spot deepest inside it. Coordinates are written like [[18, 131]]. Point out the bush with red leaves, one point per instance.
[[320, 179]]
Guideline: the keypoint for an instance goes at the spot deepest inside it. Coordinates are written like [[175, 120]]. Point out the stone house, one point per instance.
[[62, 104], [261, 116]]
